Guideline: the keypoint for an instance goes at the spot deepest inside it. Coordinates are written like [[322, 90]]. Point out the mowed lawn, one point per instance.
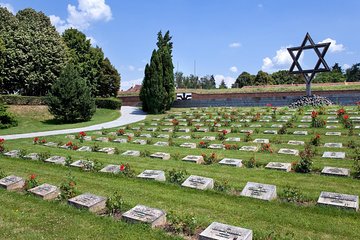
[[27, 217], [38, 118]]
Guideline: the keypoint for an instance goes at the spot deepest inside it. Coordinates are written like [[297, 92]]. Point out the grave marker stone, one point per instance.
[[231, 162], [32, 156], [12, 153], [89, 201], [249, 148], [339, 200], [198, 182], [294, 152], [220, 231], [111, 169], [260, 191], [334, 155], [143, 214], [156, 175], [12, 182], [133, 153], [107, 150], [336, 171], [279, 166], [161, 155], [46, 191], [333, 145], [56, 159], [194, 159]]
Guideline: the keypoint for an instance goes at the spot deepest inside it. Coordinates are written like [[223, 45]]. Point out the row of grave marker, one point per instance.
[[138, 214], [203, 183]]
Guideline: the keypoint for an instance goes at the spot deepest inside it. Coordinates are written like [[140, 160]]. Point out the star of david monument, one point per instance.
[[320, 50]]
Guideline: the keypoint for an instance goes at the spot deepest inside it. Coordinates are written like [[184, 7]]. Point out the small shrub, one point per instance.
[[305, 163], [108, 103], [177, 176], [316, 140], [283, 130], [145, 153], [222, 186], [7, 120], [266, 148], [352, 144], [31, 182], [2, 174], [68, 187], [248, 137], [2, 145], [316, 121], [251, 163], [212, 158], [115, 203], [125, 170], [292, 194], [43, 156], [68, 161], [203, 144], [186, 224]]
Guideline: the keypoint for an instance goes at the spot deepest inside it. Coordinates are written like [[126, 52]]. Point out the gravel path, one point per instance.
[[128, 115]]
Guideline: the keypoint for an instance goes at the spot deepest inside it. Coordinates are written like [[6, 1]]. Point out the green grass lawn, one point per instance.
[[26, 217], [38, 118]]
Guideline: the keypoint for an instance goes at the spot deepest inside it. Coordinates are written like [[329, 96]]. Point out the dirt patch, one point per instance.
[[39, 112]]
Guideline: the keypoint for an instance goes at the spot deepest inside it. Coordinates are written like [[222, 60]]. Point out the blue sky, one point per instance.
[[224, 37]]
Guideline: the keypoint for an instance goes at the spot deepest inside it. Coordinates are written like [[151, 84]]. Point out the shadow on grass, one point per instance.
[[59, 122]]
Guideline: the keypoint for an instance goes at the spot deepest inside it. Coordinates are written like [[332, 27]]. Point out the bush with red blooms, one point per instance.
[[315, 140], [340, 112], [266, 148], [346, 121], [212, 158], [175, 122], [203, 144], [2, 142], [221, 136], [125, 170], [231, 146], [120, 132], [317, 121], [31, 182], [248, 137]]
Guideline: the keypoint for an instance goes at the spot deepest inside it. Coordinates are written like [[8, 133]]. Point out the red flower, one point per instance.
[[317, 136], [346, 117], [32, 176], [314, 114], [224, 132], [122, 167], [43, 141], [69, 144], [2, 140], [202, 143], [36, 139], [82, 134], [75, 147]]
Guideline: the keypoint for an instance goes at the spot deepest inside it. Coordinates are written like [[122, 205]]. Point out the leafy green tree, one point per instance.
[[109, 82], [34, 52], [263, 78], [208, 82], [353, 73], [69, 99], [244, 79], [284, 77], [222, 85], [7, 120], [179, 79]]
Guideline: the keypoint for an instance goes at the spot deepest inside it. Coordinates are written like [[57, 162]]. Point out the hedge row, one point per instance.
[[109, 103]]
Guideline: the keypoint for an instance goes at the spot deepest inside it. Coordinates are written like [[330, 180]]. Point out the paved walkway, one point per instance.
[[128, 115]]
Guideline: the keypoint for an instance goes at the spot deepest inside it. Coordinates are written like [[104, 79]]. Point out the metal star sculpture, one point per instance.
[[320, 50]]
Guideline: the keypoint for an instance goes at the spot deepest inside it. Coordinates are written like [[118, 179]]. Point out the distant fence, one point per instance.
[[344, 97]]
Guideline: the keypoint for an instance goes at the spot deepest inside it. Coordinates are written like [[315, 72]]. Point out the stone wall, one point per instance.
[[344, 97]]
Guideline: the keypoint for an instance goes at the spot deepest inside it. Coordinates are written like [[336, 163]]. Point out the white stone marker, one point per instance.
[[188, 145], [270, 132], [220, 231], [184, 137], [140, 141], [163, 136], [111, 169], [279, 166], [81, 163], [334, 171], [249, 148], [294, 152], [260, 191], [156, 175], [231, 162], [216, 146], [161, 155], [46, 191], [334, 155], [333, 134], [32, 156], [51, 144], [208, 138], [261, 140], [333, 145], [12, 153], [132, 153], [293, 142], [107, 150], [233, 139], [12, 182], [194, 159], [198, 182], [84, 149], [102, 139], [143, 214], [339, 200], [89, 201], [56, 159], [161, 144]]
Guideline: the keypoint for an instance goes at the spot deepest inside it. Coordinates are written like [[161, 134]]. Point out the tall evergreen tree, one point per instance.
[[353, 73], [158, 88], [222, 85], [69, 99], [165, 46]]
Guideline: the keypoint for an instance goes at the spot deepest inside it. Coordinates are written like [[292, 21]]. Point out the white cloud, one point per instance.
[[8, 6], [92, 40], [131, 68], [282, 60], [233, 69], [235, 45], [228, 80], [333, 46], [125, 85], [81, 17], [345, 66]]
